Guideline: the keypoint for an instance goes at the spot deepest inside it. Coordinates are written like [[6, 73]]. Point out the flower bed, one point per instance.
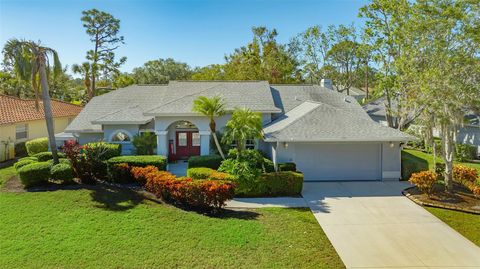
[[201, 194]]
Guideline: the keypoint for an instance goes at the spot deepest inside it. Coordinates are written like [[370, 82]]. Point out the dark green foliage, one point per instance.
[[47, 155], [105, 150], [35, 146], [60, 161], [268, 165], [465, 152], [210, 161], [244, 172], [278, 184], [255, 157], [29, 158], [34, 174], [20, 150], [440, 170], [22, 163], [438, 146], [199, 172], [412, 164], [62, 171], [119, 167], [145, 143], [287, 167]]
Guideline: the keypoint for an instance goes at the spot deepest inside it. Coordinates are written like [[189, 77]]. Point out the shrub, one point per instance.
[[424, 181], [22, 163], [36, 146], [20, 149], [199, 172], [245, 174], [440, 171], [255, 157], [287, 167], [62, 171], [465, 152], [200, 194], [34, 174], [140, 174], [145, 143], [117, 166], [105, 150], [47, 155], [268, 166], [438, 146], [29, 158], [277, 184], [60, 161], [462, 174], [209, 161]]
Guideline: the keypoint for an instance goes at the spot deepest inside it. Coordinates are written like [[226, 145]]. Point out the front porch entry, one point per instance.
[[181, 139]]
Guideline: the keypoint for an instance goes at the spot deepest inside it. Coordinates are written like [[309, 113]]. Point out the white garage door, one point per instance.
[[339, 161]]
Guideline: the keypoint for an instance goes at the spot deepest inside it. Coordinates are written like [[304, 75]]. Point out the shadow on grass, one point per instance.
[[412, 164], [114, 198]]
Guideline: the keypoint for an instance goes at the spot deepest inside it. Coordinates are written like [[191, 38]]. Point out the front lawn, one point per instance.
[[5, 174], [420, 156], [111, 228], [465, 223]]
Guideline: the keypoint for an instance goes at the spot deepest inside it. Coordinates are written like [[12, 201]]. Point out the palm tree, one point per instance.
[[244, 124], [30, 61], [84, 69], [211, 108]]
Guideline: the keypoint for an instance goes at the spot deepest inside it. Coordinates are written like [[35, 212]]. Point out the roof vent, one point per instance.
[[297, 99], [346, 100]]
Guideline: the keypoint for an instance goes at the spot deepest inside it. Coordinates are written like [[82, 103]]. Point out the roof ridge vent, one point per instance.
[[345, 99]]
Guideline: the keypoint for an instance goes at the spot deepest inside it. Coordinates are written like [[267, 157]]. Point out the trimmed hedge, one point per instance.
[[209, 161], [208, 173], [35, 146], [285, 183], [22, 163], [60, 161], [34, 173], [465, 152], [119, 167], [287, 167], [29, 158], [109, 150], [47, 155], [62, 171], [20, 149], [199, 172]]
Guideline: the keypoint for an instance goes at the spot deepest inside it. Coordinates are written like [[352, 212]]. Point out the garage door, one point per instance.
[[339, 161]]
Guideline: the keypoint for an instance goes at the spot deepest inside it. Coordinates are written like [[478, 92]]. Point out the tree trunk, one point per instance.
[[447, 141], [219, 148], [366, 80], [47, 108]]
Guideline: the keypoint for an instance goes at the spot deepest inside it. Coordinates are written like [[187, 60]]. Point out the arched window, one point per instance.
[[121, 136]]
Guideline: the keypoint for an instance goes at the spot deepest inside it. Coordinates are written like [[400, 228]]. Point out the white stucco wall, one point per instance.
[[131, 129], [469, 135], [84, 138]]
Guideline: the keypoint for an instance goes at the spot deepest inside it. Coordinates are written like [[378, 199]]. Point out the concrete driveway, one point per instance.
[[372, 225]]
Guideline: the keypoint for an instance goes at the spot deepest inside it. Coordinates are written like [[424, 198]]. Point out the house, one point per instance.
[[327, 134], [469, 133], [20, 121]]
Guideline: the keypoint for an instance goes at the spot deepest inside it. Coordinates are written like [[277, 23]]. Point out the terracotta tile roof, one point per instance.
[[13, 109]]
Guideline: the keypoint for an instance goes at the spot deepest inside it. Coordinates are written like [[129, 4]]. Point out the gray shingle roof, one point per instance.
[[320, 122]]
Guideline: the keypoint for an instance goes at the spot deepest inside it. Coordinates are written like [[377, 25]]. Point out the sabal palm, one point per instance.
[[244, 124], [30, 61], [84, 69], [211, 108]]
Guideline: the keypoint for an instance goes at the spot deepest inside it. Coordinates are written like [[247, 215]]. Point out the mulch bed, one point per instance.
[[461, 199]]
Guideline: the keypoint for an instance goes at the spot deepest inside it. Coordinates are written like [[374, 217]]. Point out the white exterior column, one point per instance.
[[204, 142], [162, 143]]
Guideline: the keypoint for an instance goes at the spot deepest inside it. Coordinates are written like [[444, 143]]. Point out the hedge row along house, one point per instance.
[[20, 121], [327, 134]]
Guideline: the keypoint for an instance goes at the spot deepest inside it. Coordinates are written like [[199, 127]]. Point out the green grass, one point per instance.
[[103, 228], [465, 223], [5, 174], [426, 159]]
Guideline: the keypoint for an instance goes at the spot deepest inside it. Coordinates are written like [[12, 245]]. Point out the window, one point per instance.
[[21, 131], [182, 139], [250, 144], [121, 137], [195, 139]]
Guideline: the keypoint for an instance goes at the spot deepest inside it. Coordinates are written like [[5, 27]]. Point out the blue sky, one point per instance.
[[196, 32]]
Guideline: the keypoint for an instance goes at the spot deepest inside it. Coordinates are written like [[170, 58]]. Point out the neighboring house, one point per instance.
[[20, 121], [468, 134], [327, 134]]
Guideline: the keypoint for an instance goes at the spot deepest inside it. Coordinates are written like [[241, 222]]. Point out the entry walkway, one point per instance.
[[179, 168]]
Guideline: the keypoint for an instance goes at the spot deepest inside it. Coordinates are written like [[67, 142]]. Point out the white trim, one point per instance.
[[161, 132], [120, 122], [204, 132]]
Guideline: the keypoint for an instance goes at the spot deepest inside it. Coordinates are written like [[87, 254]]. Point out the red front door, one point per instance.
[[188, 144]]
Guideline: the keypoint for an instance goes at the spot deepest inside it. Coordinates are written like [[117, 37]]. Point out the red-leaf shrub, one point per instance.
[[463, 174], [424, 181], [200, 194]]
